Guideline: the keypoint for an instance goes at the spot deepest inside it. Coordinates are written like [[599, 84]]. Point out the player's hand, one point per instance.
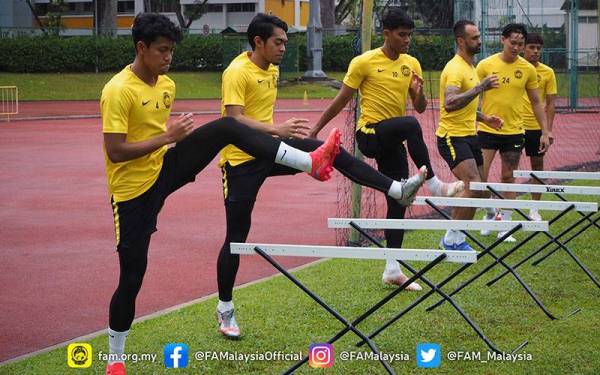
[[495, 122], [489, 82], [416, 83], [294, 128], [544, 142], [551, 138], [180, 128]]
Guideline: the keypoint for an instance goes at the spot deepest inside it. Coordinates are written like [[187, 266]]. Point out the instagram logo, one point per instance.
[[320, 355]]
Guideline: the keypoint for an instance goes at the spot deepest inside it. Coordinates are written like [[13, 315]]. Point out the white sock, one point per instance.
[[533, 211], [225, 306], [460, 237], [392, 266], [450, 237], [395, 190], [293, 158], [506, 215], [116, 344], [434, 185]]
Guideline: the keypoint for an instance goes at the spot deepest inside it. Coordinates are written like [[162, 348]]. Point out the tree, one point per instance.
[[36, 16], [107, 17], [328, 14], [191, 12], [345, 8]]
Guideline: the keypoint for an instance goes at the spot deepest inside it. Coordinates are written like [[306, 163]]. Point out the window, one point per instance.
[[241, 7], [126, 6], [208, 8]]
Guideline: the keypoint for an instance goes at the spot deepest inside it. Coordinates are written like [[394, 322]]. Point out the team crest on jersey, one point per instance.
[[518, 74], [166, 99], [405, 70], [539, 78]]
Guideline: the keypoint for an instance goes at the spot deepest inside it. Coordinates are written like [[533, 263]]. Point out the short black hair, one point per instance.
[[517, 28], [262, 25], [460, 26], [394, 17], [534, 38], [148, 27]]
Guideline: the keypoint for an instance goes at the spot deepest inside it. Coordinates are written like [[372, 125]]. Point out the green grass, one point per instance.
[[275, 315], [207, 85]]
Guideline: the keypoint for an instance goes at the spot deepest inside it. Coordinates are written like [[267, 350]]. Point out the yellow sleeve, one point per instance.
[[355, 74], [115, 105], [531, 78], [417, 67], [481, 71], [234, 87], [551, 87], [454, 77]]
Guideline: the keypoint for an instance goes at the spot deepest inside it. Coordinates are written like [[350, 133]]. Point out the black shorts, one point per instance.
[[501, 142], [532, 143], [242, 182], [457, 149], [136, 218]]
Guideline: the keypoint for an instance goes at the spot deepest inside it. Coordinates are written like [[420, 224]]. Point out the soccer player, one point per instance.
[[516, 78], [457, 142], [386, 77], [249, 90], [143, 171], [547, 87]]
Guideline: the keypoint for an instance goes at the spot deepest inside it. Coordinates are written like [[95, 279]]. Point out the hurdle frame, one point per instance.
[[528, 188], [9, 102], [435, 257]]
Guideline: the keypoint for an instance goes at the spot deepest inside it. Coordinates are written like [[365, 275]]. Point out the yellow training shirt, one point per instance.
[[547, 86], [383, 84], [462, 122], [505, 101], [253, 88], [130, 106]]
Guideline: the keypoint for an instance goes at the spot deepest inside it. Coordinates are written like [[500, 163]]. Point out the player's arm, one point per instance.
[[550, 111], [492, 121], [339, 102], [540, 116], [415, 91], [119, 150], [294, 127], [455, 100]]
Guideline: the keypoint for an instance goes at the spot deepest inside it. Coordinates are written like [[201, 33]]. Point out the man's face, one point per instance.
[[398, 39], [532, 52], [158, 55], [513, 45], [472, 40], [274, 48]]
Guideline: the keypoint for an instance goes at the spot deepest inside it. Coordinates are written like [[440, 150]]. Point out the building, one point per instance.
[[78, 16]]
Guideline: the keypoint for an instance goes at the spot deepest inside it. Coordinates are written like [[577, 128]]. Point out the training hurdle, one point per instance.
[[9, 101], [561, 175], [434, 257], [501, 203], [495, 189]]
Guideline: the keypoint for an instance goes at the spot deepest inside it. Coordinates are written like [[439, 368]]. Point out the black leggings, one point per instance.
[[241, 195], [383, 142], [138, 216]]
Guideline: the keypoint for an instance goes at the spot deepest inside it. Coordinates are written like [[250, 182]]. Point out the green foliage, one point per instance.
[[83, 54]]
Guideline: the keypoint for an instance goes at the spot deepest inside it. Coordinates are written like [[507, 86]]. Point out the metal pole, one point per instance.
[[574, 39], [314, 46]]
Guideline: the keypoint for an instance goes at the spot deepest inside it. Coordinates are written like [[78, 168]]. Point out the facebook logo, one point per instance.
[[176, 355]]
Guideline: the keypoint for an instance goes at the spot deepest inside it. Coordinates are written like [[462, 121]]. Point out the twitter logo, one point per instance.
[[429, 355]]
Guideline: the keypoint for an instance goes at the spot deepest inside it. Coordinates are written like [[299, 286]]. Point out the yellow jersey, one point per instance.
[[253, 88], [547, 86], [130, 106], [462, 122], [505, 101], [383, 84]]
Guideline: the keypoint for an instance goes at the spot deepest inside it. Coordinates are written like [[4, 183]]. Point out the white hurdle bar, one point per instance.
[[528, 226], [346, 252], [507, 203], [559, 175], [534, 188]]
